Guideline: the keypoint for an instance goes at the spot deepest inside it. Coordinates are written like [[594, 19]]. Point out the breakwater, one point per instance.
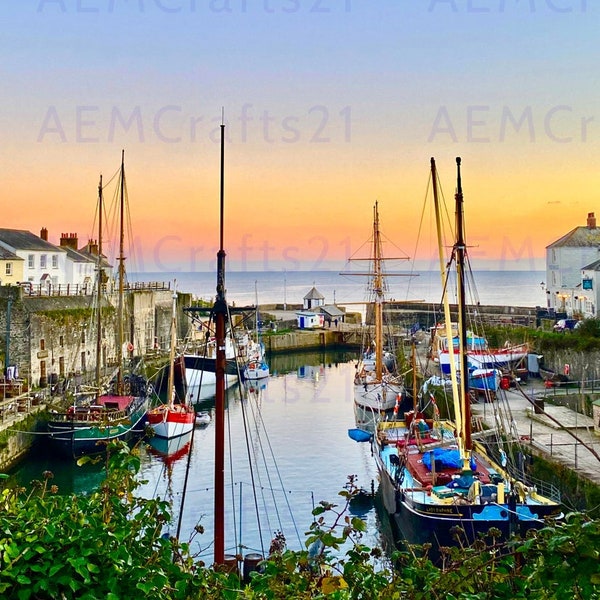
[[300, 340]]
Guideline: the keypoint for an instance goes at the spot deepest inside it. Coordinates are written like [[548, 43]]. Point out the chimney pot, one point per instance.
[[591, 221]]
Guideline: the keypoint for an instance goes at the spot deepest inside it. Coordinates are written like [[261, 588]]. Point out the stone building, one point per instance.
[[572, 269], [53, 338]]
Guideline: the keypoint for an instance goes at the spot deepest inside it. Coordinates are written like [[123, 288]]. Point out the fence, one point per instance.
[[77, 289]]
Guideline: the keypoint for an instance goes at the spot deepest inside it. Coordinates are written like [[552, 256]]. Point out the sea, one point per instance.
[[505, 288], [288, 447]]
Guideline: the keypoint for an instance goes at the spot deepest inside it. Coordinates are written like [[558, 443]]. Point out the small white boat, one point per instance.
[[203, 418]]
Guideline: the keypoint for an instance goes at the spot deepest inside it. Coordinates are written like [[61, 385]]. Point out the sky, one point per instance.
[[329, 106]]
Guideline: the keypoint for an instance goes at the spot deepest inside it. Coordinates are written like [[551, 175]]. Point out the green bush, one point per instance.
[[109, 545]]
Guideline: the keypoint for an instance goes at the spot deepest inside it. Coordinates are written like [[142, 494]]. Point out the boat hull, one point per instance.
[[422, 523], [201, 378], [420, 517], [255, 371], [73, 436], [492, 359], [377, 396], [171, 422]]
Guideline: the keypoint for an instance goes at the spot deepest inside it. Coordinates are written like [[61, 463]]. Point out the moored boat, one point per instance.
[[440, 484], [479, 353], [377, 385], [203, 418], [118, 414], [256, 366], [175, 417], [200, 368]]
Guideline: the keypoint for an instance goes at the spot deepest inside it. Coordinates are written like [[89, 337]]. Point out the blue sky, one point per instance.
[[328, 104]]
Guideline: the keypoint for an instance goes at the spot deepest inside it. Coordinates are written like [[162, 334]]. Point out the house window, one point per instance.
[[8, 268], [42, 344], [31, 261], [42, 261], [83, 362], [61, 366], [61, 341], [43, 375], [55, 261]]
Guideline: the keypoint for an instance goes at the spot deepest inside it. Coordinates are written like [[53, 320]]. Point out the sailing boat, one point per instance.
[[435, 475], [256, 366], [118, 414], [200, 367], [376, 386], [172, 419]]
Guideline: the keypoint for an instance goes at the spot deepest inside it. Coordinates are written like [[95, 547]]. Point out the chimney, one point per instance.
[[92, 247], [44, 234], [68, 240], [591, 221]]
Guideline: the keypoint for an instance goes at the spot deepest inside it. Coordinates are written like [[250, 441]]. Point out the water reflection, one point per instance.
[[287, 449]]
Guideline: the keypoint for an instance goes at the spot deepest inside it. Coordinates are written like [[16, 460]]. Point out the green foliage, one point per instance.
[[585, 338], [105, 545], [109, 545]]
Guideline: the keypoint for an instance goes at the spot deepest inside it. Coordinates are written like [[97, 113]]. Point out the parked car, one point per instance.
[[566, 324]]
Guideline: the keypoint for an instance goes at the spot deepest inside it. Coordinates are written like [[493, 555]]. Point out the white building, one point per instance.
[[308, 320], [313, 299], [43, 264], [572, 264], [80, 267]]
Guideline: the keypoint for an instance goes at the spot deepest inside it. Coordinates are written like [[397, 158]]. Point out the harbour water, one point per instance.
[[288, 447], [287, 450]]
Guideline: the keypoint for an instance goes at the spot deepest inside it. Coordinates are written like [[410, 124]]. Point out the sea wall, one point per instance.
[[17, 441], [578, 366], [308, 339]]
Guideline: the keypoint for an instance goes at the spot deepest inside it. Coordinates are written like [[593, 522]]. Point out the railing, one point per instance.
[[10, 408], [77, 289], [93, 414]]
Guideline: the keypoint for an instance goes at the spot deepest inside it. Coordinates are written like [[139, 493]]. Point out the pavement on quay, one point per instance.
[[548, 427]]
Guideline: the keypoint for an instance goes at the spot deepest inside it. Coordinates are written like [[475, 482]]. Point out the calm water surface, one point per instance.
[[292, 429]]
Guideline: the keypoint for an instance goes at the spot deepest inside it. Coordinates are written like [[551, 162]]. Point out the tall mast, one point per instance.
[[99, 292], [447, 315], [170, 386], [120, 336], [460, 251], [220, 312], [378, 289]]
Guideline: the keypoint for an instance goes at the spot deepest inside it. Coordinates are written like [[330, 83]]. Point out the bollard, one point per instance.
[[251, 563]]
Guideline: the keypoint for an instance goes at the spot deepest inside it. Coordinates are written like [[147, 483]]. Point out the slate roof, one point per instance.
[[580, 237], [594, 266], [77, 256], [314, 294], [8, 255], [332, 311], [19, 239]]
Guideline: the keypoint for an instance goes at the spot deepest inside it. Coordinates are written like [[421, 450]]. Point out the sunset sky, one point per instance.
[[329, 106]]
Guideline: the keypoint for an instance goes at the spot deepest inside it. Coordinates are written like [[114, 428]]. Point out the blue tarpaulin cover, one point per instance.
[[445, 458]]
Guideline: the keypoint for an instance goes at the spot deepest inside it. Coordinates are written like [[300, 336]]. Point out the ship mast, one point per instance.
[[120, 335], [99, 291], [378, 290], [220, 312], [446, 302], [171, 386], [460, 249]]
